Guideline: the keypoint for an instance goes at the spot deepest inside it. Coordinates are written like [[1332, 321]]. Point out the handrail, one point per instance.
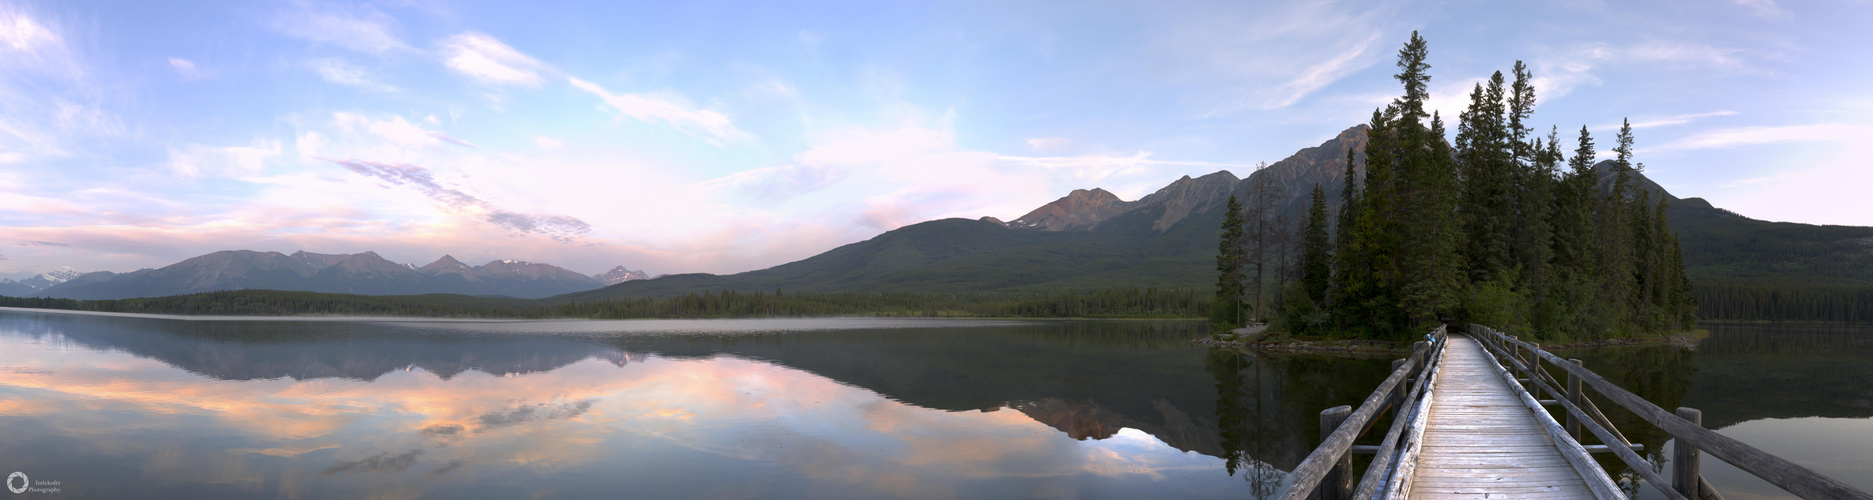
[[1638, 464], [1576, 456], [1787, 475], [1389, 455], [1308, 476]]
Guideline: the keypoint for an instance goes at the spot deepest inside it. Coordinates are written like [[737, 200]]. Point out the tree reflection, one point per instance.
[[1242, 418]]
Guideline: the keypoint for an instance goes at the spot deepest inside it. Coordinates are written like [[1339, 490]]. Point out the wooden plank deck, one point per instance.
[[1482, 442]]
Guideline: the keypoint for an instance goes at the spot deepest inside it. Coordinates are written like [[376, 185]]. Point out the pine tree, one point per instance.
[[1369, 301], [1486, 159], [1230, 261], [1614, 243], [1316, 270], [1419, 280], [1535, 165], [1348, 265], [1572, 221]]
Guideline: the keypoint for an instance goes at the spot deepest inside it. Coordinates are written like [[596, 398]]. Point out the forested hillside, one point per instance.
[[1488, 229]]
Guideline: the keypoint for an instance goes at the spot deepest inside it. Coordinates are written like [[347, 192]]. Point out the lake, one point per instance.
[[111, 407]]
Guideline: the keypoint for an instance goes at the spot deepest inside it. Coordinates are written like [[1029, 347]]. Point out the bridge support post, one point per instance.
[[1684, 468], [1338, 484], [1574, 396], [1398, 395]]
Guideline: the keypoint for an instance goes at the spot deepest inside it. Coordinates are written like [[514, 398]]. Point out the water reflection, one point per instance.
[[1268, 406], [116, 407], [1801, 392]]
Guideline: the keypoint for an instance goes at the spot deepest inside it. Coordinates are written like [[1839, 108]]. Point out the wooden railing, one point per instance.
[[1327, 472], [1686, 427]]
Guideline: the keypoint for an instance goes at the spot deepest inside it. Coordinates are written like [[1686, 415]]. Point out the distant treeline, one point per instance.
[[1110, 303], [1760, 300]]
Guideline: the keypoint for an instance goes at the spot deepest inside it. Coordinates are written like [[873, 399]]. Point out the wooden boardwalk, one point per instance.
[[1482, 441], [1463, 427]]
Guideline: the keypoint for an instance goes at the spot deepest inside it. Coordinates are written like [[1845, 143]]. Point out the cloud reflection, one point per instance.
[[414, 433]]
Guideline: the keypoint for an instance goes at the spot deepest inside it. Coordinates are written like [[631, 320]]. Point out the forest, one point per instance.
[[1488, 228], [1108, 303]]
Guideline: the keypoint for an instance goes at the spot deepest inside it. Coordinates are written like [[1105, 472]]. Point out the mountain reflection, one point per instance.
[[120, 407]]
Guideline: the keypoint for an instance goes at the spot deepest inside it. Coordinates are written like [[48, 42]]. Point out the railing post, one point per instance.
[[1574, 396], [1338, 484], [1533, 363], [1398, 395], [1684, 469]]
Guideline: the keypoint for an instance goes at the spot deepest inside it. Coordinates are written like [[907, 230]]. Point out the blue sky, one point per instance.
[[723, 137]]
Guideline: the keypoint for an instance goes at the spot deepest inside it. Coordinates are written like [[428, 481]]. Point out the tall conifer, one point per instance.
[[1230, 261], [1316, 270]]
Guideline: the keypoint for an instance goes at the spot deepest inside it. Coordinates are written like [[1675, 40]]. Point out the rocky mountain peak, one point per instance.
[[619, 275], [1078, 210], [1186, 196], [447, 265], [46, 280], [523, 270], [316, 262], [368, 263]]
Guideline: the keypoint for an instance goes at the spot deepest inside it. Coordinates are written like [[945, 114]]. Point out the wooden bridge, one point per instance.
[[1467, 423]]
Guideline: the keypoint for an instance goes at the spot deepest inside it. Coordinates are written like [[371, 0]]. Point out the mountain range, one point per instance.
[[1088, 239], [1091, 239], [360, 273]]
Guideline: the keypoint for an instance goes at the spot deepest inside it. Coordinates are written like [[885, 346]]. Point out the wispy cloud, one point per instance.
[[1558, 73], [1320, 75], [1763, 8], [561, 228], [488, 60], [340, 72], [715, 126], [43, 74], [187, 69], [396, 129], [1048, 144], [43, 244], [367, 31], [1665, 121], [1266, 56], [1749, 136], [196, 160]]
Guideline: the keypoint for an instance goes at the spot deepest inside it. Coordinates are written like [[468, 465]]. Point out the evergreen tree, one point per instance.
[[1614, 242], [1486, 158], [1315, 268], [1347, 265], [1230, 263], [1368, 301], [1535, 166]]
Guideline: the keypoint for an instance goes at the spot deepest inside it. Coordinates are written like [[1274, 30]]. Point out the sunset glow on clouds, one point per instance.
[[708, 139]]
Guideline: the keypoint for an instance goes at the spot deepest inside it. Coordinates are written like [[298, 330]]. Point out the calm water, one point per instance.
[[1801, 392], [118, 407], [115, 407]]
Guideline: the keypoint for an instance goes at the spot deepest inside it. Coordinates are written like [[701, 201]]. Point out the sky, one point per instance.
[[723, 137]]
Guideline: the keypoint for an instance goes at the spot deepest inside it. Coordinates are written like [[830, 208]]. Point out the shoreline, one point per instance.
[[333, 318], [445, 319]]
